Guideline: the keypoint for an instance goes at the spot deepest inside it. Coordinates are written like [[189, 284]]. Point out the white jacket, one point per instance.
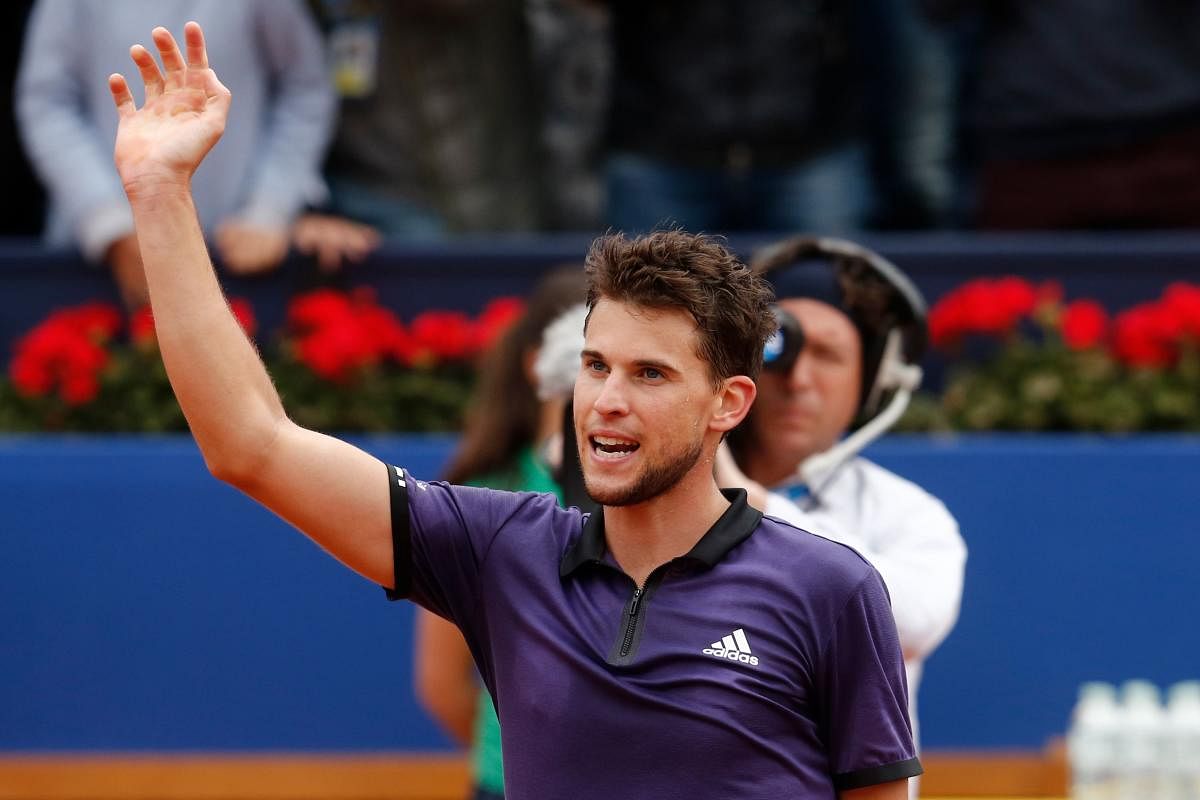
[[907, 534]]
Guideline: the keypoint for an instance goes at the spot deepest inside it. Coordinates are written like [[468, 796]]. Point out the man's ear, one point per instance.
[[732, 402]]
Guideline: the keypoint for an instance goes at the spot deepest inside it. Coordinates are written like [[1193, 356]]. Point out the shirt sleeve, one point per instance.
[[865, 710], [67, 145], [442, 536]]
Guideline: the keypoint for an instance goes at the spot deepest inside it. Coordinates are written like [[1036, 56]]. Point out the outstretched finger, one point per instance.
[[172, 59], [121, 94], [197, 53], [148, 68]]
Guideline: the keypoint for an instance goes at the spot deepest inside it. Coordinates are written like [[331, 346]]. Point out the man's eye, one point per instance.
[[652, 373]]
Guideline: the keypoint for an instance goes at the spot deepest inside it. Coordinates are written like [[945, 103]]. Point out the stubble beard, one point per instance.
[[653, 480]]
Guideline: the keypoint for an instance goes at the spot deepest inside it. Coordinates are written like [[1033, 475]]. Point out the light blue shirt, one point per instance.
[[264, 170]]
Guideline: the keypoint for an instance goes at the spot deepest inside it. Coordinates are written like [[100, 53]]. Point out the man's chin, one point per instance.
[[614, 496]]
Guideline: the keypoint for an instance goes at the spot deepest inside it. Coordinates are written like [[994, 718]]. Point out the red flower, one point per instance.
[[244, 313], [1145, 336], [495, 319], [1084, 324], [80, 387], [141, 327], [444, 335], [341, 333], [1182, 301], [335, 351], [97, 321], [66, 351], [385, 330], [314, 309], [987, 306]]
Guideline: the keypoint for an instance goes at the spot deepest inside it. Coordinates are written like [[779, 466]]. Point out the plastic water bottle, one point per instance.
[[1142, 742], [1092, 742], [1181, 762]]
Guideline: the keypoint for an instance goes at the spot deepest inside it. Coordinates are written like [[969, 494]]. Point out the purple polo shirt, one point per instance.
[[762, 664]]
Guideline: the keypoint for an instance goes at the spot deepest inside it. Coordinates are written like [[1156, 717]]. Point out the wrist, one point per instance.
[[151, 188]]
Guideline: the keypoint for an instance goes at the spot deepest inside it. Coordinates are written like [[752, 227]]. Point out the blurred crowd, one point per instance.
[[358, 120]]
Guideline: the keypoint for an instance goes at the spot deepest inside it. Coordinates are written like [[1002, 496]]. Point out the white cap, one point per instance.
[[557, 363]]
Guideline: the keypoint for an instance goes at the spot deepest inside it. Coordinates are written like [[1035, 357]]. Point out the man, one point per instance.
[[856, 326], [662, 647]]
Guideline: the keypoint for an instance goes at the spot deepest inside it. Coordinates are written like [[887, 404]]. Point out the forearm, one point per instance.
[[444, 676], [221, 384]]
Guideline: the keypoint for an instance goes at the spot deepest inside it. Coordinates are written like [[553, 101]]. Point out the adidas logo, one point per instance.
[[735, 647]]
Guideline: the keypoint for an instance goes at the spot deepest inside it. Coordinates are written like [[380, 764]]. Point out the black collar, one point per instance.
[[734, 527]]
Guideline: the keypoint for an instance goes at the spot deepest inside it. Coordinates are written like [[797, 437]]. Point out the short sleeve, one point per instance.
[[865, 709], [440, 535], [441, 538]]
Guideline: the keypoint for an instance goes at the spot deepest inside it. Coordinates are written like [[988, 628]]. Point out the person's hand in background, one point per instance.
[[248, 249], [332, 240]]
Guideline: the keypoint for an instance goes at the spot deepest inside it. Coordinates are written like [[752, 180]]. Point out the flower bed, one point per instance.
[[1023, 359], [1019, 358], [343, 362]]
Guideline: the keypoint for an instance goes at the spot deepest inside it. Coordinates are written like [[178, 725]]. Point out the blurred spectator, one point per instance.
[[910, 82], [253, 184], [439, 121], [513, 440], [22, 206], [1085, 113], [736, 115], [573, 62]]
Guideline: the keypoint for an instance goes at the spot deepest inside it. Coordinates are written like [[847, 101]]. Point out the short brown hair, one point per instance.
[[695, 273]]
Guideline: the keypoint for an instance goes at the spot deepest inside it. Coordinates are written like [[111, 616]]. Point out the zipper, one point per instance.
[[635, 606]]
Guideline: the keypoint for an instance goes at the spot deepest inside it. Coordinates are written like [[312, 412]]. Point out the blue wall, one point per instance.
[[143, 605]]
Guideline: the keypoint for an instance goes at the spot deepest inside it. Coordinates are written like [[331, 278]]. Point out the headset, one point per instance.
[[886, 308]]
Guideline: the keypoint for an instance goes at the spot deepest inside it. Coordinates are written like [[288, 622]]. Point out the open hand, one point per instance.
[[163, 142]]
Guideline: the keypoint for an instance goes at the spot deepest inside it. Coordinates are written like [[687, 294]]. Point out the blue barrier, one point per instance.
[[145, 606]]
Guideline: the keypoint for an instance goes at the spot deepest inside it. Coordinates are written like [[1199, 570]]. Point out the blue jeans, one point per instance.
[[828, 193]]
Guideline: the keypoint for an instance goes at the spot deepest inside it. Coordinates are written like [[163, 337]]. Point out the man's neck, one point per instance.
[[647, 535]]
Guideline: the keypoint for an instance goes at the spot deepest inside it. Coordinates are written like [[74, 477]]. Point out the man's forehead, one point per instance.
[[817, 316], [669, 329]]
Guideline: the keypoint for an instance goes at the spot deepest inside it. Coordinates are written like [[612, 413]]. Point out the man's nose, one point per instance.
[[612, 397]]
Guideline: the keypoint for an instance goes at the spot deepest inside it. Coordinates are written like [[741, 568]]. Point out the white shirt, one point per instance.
[[907, 534]]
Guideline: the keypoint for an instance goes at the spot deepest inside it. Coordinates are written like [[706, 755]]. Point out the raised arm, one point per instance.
[[333, 492]]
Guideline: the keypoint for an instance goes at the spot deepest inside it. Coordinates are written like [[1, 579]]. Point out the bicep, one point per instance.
[[333, 492]]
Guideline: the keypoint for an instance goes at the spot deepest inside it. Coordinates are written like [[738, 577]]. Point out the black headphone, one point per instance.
[[872, 291]]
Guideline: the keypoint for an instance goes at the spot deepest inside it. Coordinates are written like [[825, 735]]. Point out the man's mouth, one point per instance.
[[611, 447]]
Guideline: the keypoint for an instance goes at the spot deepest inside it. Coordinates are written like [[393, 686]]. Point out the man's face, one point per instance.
[[643, 402], [806, 410]]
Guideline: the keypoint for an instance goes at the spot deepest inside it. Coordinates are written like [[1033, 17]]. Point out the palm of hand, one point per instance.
[[182, 118]]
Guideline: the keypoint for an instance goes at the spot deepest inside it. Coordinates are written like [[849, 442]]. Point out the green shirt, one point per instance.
[[527, 474]]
